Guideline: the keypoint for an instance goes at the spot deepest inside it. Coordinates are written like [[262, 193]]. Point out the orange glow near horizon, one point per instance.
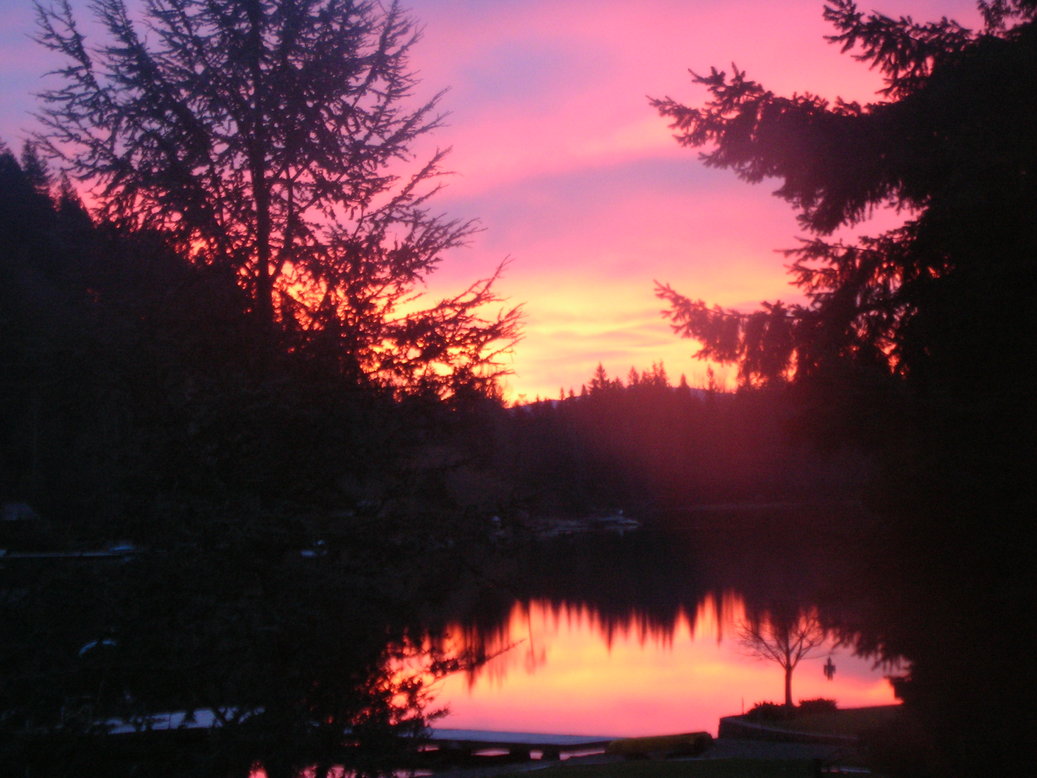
[[567, 674]]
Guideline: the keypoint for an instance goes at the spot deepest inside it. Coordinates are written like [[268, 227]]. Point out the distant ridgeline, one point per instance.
[[648, 443]]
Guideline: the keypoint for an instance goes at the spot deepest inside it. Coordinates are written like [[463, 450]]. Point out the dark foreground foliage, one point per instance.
[[287, 532], [914, 343], [280, 526], [772, 711], [218, 377]]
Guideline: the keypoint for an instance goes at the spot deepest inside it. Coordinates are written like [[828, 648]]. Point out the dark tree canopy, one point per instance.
[[227, 366], [276, 138], [285, 535], [915, 342], [951, 146]]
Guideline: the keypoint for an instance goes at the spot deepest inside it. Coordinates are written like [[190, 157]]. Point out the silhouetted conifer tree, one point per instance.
[[274, 138], [913, 342], [262, 511]]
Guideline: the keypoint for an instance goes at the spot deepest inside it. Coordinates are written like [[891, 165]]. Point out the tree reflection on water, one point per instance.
[[555, 668], [600, 634]]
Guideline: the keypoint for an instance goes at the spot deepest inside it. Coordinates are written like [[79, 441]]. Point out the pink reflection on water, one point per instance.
[[568, 672]]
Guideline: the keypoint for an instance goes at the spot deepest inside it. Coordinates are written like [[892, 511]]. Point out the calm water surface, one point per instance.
[[638, 635], [568, 673]]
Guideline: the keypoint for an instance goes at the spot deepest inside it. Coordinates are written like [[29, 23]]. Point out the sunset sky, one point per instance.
[[572, 174]]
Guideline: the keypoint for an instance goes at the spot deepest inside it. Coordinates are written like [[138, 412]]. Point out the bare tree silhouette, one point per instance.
[[784, 639]]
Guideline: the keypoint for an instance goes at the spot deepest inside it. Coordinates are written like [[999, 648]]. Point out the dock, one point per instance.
[[464, 744]]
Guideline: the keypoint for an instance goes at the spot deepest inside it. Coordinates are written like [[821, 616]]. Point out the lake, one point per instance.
[[611, 635], [568, 673], [638, 634]]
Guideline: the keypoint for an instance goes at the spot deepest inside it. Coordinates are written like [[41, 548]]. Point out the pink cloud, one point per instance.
[[589, 106]]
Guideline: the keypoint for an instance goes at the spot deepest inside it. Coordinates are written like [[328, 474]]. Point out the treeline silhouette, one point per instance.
[[280, 526], [648, 445], [134, 383]]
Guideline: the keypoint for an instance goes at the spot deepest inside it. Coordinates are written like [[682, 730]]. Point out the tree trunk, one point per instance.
[[788, 686], [264, 304]]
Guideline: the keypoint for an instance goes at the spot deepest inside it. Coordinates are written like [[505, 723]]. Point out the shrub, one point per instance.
[[772, 711], [768, 711], [820, 705]]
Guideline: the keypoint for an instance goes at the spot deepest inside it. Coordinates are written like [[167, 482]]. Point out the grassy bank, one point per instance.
[[852, 721]]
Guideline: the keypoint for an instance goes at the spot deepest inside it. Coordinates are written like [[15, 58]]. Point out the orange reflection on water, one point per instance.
[[569, 672]]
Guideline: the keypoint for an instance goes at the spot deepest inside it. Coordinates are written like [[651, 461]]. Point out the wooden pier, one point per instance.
[[467, 744]]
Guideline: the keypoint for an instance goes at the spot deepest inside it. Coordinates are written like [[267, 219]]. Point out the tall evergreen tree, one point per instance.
[[914, 341], [952, 143], [276, 138], [129, 414]]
